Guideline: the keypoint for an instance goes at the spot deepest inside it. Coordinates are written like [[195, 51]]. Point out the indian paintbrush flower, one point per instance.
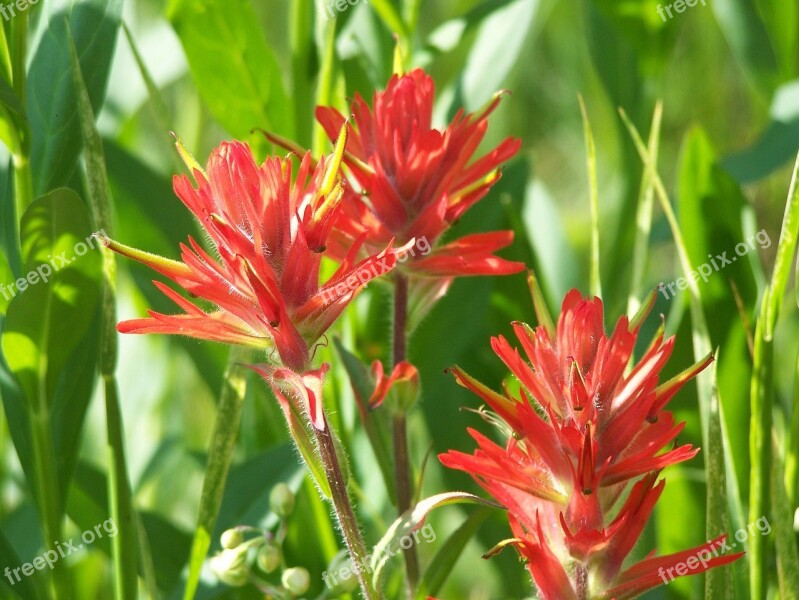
[[270, 230], [580, 431], [413, 181]]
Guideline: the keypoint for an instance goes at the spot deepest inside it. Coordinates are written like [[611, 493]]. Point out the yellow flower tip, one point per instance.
[[332, 174], [489, 180], [399, 59], [159, 263], [191, 163]]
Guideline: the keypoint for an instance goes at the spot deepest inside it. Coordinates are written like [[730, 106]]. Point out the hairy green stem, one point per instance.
[[343, 508]]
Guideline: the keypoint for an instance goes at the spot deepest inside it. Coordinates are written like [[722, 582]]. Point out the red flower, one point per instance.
[[415, 181], [579, 432], [270, 234]]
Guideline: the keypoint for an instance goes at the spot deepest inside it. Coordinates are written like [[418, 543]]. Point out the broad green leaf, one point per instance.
[[54, 304], [497, 49], [412, 520], [226, 430], [777, 143], [447, 36], [744, 31], [234, 68], [52, 107], [781, 20], [712, 211], [23, 588]]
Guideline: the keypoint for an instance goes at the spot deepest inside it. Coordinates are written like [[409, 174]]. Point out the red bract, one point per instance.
[[416, 181], [270, 232], [580, 431]]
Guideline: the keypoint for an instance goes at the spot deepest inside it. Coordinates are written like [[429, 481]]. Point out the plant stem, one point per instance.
[[402, 467], [341, 503], [48, 493]]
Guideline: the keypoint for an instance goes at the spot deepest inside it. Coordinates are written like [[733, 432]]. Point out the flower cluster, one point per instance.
[[269, 230], [410, 180], [585, 446]]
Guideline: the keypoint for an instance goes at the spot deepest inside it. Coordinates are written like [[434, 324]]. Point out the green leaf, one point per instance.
[[447, 36], [411, 520], [362, 386], [6, 278], [782, 511], [776, 144], [593, 193], [53, 307], [749, 40], [52, 107], [643, 216], [13, 121], [497, 49], [88, 500], [226, 430], [786, 250], [712, 212], [718, 582], [21, 589], [715, 439], [236, 72], [445, 559]]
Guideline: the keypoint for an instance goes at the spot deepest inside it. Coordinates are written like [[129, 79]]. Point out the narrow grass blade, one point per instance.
[[327, 78], [643, 217], [220, 455], [792, 452], [713, 440], [156, 99], [593, 191], [762, 387], [785, 253], [782, 511], [718, 582]]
